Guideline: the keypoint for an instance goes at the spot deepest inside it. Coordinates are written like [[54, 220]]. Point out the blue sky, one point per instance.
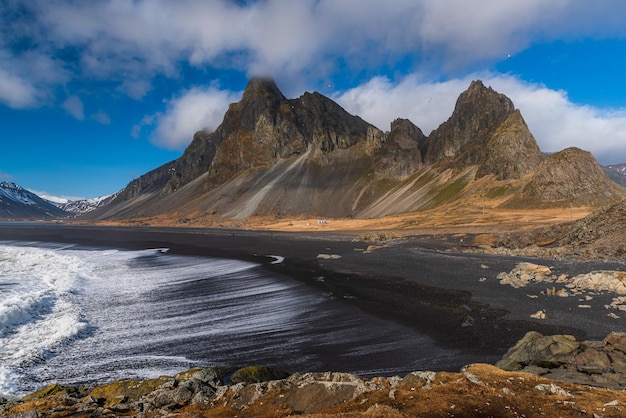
[[96, 93]]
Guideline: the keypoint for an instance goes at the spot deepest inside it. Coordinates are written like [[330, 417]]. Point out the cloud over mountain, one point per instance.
[[195, 110]]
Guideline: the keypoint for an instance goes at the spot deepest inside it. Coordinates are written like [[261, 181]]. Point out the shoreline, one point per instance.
[[416, 281]]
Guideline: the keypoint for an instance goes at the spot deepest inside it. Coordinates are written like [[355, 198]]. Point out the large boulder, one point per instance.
[[561, 357], [535, 349]]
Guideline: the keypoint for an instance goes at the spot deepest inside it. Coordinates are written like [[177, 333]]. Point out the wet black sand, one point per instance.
[[418, 281]]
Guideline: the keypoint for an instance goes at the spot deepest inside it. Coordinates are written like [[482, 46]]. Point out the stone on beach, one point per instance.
[[524, 273], [600, 281]]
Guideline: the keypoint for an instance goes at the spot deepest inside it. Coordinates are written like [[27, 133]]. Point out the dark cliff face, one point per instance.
[[401, 153], [256, 132], [478, 113], [510, 152]]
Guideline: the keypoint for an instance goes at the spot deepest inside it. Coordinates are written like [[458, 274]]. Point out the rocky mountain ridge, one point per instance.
[[85, 205], [274, 156]]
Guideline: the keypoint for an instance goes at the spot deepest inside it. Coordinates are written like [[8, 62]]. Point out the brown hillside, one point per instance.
[[571, 177]]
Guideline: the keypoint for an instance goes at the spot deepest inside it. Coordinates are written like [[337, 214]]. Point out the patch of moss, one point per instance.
[[257, 374], [132, 389], [498, 192]]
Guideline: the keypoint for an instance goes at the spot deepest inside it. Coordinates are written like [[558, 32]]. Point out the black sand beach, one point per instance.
[[417, 281]]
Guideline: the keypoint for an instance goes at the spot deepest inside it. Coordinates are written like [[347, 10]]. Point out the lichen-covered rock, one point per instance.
[[535, 349], [53, 389], [478, 390], [314, 397]]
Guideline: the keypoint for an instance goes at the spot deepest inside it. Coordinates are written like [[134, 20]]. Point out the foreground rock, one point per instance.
[[563, 358], [477, 390]]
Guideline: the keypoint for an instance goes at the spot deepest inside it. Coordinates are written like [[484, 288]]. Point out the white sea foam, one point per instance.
[[37, 309]]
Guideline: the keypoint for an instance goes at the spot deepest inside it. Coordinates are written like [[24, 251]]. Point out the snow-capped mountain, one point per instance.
[[617, 173], [17, 203], [85, 205]]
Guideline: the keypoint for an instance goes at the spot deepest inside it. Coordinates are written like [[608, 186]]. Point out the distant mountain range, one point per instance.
[[276, 157], [85, 205], [17, 203]]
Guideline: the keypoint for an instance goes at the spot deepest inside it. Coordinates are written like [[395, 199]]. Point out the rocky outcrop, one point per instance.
[[561, 357], [401, 154], [510, 152], [571, 176], [598, 236]]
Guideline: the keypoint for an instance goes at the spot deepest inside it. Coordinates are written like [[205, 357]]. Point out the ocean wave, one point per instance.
[[38, 311]]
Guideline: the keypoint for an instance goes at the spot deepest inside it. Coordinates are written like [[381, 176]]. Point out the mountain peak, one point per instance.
[[511, 152], [478, 112], [10, 185], [260, 88], [477, 85]]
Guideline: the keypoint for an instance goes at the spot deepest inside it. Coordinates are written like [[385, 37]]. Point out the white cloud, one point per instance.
[[554, 120], [101, 117], [136, 40], [15, 92], [196, 109], [53, 198], [380, 101], [26, 79], [74, 107]]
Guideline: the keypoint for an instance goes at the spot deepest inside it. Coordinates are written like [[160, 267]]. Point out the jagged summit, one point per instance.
[[274, 156], [477, 114]]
